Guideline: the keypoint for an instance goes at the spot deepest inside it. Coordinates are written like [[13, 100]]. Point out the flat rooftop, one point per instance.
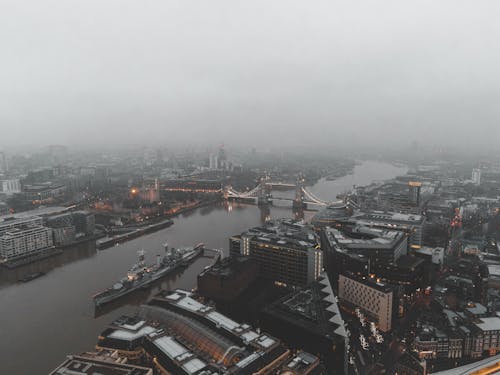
[[489, 324], [77, 365]]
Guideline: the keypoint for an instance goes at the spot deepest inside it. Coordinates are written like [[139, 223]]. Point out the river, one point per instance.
[[43, 320]]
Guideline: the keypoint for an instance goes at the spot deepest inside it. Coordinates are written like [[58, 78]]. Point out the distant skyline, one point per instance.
[[285, 74]]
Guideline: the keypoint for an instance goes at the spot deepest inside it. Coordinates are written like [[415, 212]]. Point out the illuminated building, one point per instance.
[[180, 335], [414, 192], [374, 298], [286, 251]]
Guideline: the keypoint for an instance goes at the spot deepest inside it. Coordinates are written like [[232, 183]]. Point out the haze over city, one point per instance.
[[244, 73], [249, 187]]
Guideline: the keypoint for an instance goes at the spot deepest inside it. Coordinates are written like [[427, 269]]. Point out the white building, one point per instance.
[[20, 242], [373, 298], [213, 161], [10, 187], [23, 236], [476, 176]]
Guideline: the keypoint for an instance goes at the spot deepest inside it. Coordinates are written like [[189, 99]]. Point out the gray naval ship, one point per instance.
[[141, 275]]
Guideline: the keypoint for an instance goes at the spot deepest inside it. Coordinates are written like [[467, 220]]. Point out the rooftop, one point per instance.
[[489, 324], [78, 365]]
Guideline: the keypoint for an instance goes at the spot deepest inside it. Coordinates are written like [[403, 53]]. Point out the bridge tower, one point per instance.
[[264, 195], [298, 202]]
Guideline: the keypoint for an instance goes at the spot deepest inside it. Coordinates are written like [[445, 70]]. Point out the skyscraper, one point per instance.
[[476, 176]]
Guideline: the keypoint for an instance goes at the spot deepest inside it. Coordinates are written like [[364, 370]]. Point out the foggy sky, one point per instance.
[[255, 72]]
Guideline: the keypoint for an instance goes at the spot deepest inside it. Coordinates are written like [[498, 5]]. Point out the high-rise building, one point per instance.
[[287, 252], [375, 299], [213, 161], [4, 166], [476, 176], [414, 192]]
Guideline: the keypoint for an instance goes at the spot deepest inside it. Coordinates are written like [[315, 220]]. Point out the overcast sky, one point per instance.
[[250, 72]]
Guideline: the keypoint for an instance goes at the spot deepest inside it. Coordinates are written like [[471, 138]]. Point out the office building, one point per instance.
[[227, 279], [476, 176], [414, 192], [374, 298], [84, 222], [411, 224], [376, 244], [24, 241], [10, 187], [310, 319], [286, 251]]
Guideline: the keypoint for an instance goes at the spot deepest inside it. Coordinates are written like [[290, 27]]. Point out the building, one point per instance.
[[488, 335], [476, 176], [310, 319], [374, 298], [96, 363], [24, 241], [433, 255], [41, 193], [414, 192], [179, 335], [213, 161], [408, 223], [10, 187], [227, 279], [303, 363], [376, 244], [84, 222], [408, 364], [286, 251], [23, 236]]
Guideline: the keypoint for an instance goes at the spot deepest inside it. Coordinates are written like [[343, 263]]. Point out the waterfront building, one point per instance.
[[286, 251], [227, 279], [178, 334], [23, 241], [84, 222], [374, 298]]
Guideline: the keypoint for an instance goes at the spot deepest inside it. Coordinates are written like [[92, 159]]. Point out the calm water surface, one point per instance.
[[44, 320]]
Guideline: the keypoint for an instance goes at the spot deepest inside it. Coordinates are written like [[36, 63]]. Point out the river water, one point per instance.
[[43, 320]]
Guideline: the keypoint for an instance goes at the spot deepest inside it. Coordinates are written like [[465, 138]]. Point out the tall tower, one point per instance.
[[414, 192], [476, 176], [4, 166]]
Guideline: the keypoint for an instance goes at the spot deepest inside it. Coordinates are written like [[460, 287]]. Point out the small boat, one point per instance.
[[31, 276]]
